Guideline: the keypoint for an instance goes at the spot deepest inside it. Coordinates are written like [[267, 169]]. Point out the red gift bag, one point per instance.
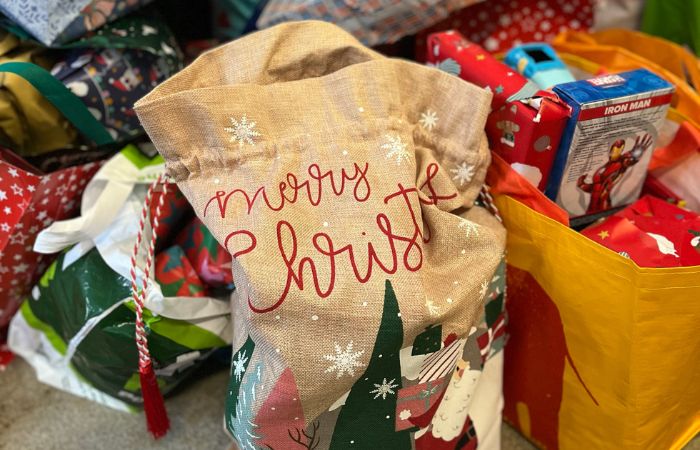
[[29, 202], [30, 199]]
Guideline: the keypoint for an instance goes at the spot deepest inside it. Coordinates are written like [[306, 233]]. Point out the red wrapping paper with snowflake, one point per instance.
[[29, 202], [524, 127], [498, 25], [651, 232]]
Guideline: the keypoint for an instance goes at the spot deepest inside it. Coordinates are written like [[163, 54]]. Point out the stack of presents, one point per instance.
[[582, 333]]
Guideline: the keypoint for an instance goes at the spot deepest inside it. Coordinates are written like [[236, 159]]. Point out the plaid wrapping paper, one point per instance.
[[372, 22]]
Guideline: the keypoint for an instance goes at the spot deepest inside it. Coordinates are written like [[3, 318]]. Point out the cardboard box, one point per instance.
[[607, 144]]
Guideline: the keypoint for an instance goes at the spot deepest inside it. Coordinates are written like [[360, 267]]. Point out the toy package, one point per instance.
[[607, 144], [525, 125]]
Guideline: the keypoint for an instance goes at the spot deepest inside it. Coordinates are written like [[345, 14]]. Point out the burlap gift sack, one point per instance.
[[343, 183]]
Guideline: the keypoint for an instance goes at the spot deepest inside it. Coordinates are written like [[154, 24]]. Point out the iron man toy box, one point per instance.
[[608, 141]]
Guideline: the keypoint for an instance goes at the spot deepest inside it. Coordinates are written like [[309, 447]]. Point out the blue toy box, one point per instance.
[[608, 141]]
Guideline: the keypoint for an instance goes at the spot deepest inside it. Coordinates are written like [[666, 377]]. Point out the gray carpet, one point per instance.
[[37, 417]]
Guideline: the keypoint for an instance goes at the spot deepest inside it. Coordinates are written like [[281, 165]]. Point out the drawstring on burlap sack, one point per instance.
[[153, 404]]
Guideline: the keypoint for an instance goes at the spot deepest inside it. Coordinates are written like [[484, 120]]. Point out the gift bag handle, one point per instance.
[[72, 108]]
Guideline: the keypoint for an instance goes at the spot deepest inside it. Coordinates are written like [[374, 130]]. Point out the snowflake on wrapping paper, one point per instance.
[[4, 227], [20, 268], [61, 190], [7, 210], [344, 361], [41, 215], [13, 172], [463, 173], [3, 195], [470, 228], [242, 132], [16, 189], [396, 149], [433, 309], [428, 120], [239, 365], [31, 188], [384, 389]]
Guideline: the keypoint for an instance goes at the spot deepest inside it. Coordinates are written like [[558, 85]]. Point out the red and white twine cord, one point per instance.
[[140, 297], [487, 198]]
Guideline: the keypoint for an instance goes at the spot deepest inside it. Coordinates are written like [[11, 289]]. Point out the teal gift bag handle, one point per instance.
[[72, 108]]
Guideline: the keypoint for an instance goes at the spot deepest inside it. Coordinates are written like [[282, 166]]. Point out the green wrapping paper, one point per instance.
[[82, 314]]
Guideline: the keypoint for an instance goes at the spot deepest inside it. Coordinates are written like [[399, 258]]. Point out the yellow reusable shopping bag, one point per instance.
[[600, 352]]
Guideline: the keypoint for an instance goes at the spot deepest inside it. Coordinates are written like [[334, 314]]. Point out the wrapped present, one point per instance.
[[210, 261], [525, 124], [451, 52], [498, 25], [371, 22], [60, 21], [176, 276], [653, 233], [30, 201], [115, 66]]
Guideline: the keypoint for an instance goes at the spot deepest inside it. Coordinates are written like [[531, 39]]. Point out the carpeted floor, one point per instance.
[[37, 417]]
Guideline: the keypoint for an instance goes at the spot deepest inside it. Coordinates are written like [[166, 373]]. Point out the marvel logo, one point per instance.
[[606, 80]]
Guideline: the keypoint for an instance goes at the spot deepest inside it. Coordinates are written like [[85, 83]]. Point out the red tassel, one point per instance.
[[153, 404]]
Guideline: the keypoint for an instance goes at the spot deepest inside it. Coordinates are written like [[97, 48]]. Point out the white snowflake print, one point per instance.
[[484, 289], [470, 228], [428, 120], [3, 195], [13, 172], [384, 389], [20, 268], [344, 361], [405, 414], [31, 188], [396, 149], [7, 210], [463, 173], [433, 309], [16, 189], [5, 227], [239, 365], [242, 132], [41, 215]]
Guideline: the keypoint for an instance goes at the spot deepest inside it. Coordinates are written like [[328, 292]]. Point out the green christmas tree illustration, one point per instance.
[[368, 419]]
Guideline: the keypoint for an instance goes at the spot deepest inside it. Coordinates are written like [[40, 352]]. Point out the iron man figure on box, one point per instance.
[[609, 174]]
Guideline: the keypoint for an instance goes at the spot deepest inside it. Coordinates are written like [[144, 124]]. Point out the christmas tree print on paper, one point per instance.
[[368, 420], [240, 397]]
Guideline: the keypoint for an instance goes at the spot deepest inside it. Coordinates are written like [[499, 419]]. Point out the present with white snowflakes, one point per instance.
[[31, 200], [344, 184]]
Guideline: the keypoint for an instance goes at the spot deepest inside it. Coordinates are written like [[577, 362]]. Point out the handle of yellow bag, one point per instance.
[[72, 108]]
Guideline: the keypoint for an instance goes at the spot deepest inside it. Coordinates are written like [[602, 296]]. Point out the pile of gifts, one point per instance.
[[585, 144], [76, 166]]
